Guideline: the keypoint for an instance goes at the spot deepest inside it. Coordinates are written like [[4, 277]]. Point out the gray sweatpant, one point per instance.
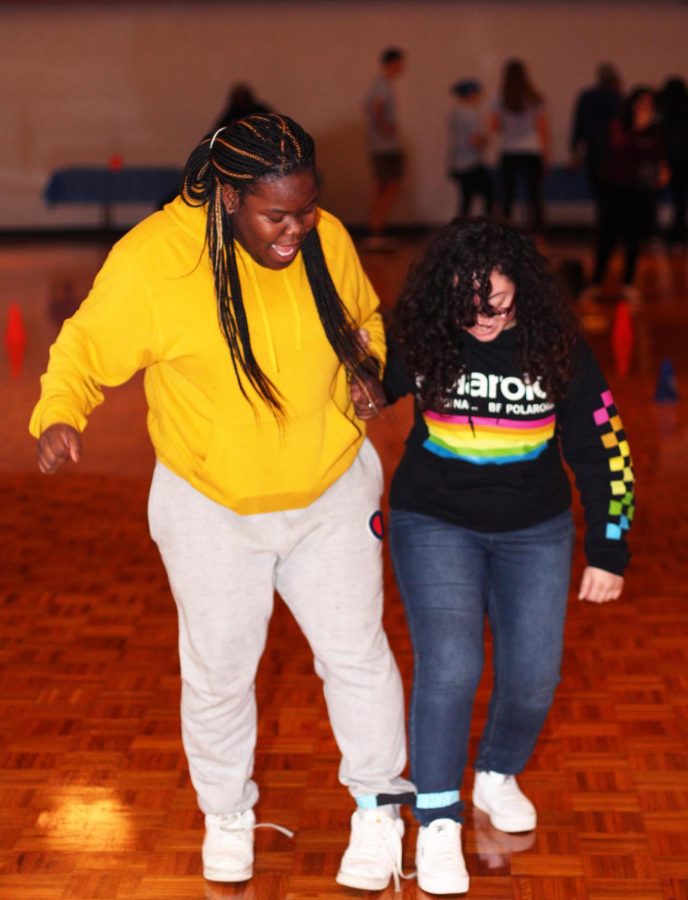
[[325, 561]]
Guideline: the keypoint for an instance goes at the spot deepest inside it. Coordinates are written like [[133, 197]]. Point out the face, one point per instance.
[[272, 221], [643, 111], [395, 68], [502, 301]]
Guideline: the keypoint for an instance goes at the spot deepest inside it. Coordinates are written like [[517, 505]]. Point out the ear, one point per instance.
[[230, 198]]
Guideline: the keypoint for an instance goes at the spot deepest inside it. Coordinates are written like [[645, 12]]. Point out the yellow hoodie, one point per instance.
[[153, 307]]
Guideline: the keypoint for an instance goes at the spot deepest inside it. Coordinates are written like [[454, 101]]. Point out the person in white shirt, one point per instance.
[[520, 120]]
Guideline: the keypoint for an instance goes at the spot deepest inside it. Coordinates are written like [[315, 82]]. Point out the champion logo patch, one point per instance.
[[377, 525]]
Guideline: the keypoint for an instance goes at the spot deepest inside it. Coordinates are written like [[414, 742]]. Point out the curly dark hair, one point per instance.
[[438, 302]]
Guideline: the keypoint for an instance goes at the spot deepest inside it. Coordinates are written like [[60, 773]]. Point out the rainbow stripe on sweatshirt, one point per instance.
[[482, 441]]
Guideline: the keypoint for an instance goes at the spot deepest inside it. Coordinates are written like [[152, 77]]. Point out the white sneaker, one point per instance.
[[439, 860], [374, 852], [504, 802], [228, 845]]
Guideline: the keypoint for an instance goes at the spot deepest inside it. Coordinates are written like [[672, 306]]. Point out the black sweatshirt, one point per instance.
[[491, 459]]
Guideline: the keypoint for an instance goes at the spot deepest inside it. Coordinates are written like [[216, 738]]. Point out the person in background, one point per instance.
[[635, 169], [505, 389], [596, 108], [241, 102], [242, 302], [467, 138], [384, 144], [672, 108], [520, 120]]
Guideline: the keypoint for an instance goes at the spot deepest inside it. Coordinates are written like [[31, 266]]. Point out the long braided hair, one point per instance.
[[438, 303], [257, 148]]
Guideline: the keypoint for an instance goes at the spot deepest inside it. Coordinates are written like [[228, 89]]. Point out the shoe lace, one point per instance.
[[383, 832], [285, 831], [235, 822]]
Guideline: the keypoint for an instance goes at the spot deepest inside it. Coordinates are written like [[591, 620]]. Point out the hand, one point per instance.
[[367, 394], [58, 444], [599, 586], [663, 175], [368, 397]]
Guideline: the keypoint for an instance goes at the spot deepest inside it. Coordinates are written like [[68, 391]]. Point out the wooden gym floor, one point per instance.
[[95, 800]]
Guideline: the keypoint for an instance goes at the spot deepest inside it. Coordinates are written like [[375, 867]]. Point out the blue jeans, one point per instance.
[[450, 578]]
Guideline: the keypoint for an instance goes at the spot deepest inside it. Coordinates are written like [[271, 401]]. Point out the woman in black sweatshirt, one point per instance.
[[481, 525]]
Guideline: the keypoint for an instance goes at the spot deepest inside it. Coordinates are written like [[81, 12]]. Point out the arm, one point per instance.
[[378, 111], [480, 137], [576, 139], [362, 302], [595, 447], [367, 394], [663, 174], [542, 125], [104, 343], [361, 299], [396, 382]]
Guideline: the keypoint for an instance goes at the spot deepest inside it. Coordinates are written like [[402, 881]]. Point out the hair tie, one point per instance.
[[212, 139]]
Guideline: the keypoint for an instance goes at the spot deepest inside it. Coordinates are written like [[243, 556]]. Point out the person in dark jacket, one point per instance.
[[241, 102], [672, 107], [596, 108], [635, 169]]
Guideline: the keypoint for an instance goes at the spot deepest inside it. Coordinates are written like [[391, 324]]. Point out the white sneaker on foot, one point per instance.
[[504, 802], [228, 845], [374, 852], [439, 861]]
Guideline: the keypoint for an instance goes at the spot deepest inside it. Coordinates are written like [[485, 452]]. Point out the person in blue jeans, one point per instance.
[[481, 526]]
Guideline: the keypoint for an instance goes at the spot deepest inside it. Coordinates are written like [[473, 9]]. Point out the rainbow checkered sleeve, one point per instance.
[[613, 437]]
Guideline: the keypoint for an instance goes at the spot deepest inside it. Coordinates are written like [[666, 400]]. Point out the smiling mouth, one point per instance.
[[286, 251]]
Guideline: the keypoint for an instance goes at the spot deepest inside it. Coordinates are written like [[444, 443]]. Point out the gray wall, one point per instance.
[[146, 80]]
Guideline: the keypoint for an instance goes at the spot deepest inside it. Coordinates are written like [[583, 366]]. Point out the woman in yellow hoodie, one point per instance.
[[243, 301]]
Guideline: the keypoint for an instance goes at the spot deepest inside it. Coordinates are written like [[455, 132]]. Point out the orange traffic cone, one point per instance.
[[622, 338], [15, 339]]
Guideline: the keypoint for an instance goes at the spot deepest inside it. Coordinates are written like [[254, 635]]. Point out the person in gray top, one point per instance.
[[467, 138], [384, 143]]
